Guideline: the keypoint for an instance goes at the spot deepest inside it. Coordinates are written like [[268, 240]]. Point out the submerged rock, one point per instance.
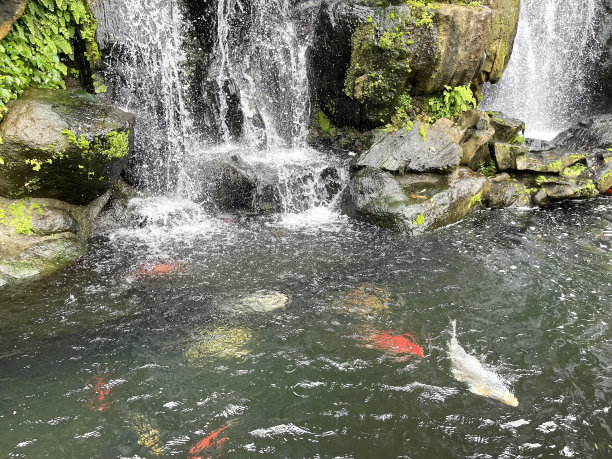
[[222, 342], [263, 301], [65, 145]]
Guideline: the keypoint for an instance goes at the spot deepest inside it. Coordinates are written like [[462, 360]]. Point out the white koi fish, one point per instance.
[[467, 369]]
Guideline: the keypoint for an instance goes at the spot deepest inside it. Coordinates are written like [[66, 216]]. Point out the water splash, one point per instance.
[[547, 82]]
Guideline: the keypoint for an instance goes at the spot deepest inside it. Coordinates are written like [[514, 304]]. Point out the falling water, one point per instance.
[[144, 62], [547, 82], [260, 60], [246, 95]]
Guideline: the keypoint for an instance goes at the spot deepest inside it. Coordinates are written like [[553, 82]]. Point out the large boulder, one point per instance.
[[39, 236], [422, 148], [66, 145], [412, 203], [10, 11]]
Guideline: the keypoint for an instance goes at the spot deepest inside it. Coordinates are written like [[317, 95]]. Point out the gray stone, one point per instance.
[[592, 133], [10, 11], [435, 151], [506, 154], [410, 205], [552, 161], [507, 129]]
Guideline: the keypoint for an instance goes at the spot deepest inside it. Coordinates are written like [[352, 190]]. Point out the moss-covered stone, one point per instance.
[[66, 145]]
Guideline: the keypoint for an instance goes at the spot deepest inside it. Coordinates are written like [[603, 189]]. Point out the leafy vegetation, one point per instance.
[[19, 216], [452, 103], [39, 44]]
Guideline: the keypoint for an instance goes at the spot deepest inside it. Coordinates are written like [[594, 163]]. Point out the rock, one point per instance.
[[248, 186], [505, 191], [408, 205], [475, 142], [592, 133], [507, 129], [222, 342], [506, 154], [600, 163], [66, 145], [422, 149], [263, 301], [504, 25], [399, 51], [39, 236], [10, 11], [552, 161]]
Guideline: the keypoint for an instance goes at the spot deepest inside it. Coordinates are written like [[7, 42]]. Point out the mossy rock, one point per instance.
[[222, 342], [66, 145], [39, 236]]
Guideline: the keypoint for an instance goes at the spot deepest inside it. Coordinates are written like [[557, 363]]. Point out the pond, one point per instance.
[[193, 335]]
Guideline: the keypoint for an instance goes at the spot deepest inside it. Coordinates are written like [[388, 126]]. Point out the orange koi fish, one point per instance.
[[211, 441], [399, 344], [100, 393], [157, 270], [608, 192]]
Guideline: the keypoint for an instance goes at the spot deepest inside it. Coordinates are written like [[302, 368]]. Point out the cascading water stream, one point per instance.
[[547, 82], [264, 65], [254, 82], [143, 44]]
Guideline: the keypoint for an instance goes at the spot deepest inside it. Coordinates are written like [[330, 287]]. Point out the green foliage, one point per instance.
[[32, 52], [422, 132], [452, 103], [19, 216], [488, 170], [518, 139], [115, 145], [419, 220]]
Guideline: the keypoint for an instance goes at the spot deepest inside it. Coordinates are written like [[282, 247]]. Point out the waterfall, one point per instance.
[[547, 82], [208, 81], [260, 62], [144, 65]]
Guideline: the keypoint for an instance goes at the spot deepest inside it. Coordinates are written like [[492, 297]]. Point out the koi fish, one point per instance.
[[211, 441], [483, 382], [157, 270], [100, 392], [608, 192], [148, 436], [399, 344]]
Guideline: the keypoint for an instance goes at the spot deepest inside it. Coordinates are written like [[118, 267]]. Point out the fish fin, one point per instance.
[[480, 390]]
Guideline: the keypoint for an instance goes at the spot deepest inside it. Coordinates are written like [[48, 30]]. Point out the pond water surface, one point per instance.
[[112, 357]]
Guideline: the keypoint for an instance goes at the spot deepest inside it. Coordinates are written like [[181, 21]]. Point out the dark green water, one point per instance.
[[530, 290]]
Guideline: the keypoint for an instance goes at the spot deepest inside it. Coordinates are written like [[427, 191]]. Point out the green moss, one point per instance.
[[18, 215], [422, 132], [476, 199], [574, 171], [323, 120], [419, 220]]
